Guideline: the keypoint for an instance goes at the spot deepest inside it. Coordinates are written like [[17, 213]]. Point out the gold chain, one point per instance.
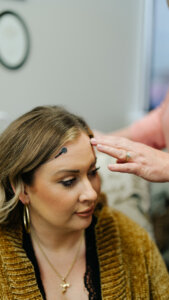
[[64, 285]]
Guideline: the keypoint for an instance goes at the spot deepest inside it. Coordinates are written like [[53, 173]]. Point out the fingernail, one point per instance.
[[93, 141], [99, 146]]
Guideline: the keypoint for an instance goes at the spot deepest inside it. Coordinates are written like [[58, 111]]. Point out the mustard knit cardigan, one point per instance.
[[130, 264]]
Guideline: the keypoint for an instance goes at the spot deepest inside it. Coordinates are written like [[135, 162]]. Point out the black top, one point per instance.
[[92, 274]]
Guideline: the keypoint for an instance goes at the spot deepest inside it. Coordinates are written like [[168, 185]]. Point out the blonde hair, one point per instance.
[[27, 143]]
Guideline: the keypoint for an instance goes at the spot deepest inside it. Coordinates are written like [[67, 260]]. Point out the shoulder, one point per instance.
[[127, 236], [129, 232], [11, 238], [124, 247], [116, 217]]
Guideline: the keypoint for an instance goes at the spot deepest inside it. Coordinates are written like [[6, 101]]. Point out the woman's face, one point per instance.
[[65, 189]]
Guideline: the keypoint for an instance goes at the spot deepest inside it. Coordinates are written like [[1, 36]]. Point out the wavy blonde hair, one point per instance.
[[27, 143]]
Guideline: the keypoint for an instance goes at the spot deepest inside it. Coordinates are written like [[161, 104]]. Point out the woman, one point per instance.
[[70, 245]]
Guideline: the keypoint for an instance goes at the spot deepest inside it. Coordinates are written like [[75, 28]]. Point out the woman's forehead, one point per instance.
[[77, 149], [77, 152]]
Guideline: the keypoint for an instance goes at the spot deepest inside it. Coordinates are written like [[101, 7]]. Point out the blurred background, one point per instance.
[[159, 79], [92, 56]]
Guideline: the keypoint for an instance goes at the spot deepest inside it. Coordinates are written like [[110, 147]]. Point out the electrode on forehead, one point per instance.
[[63, 150]]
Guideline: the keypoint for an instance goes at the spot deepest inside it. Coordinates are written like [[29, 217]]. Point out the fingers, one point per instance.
[[131, 168], [121, 151], [113, 141], [105, 140], [127, 160], [120, 154]]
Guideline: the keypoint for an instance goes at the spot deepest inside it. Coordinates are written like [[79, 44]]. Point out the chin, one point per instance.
[[83, 223]]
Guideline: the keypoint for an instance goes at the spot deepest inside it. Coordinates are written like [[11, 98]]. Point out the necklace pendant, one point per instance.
[[64, 286]]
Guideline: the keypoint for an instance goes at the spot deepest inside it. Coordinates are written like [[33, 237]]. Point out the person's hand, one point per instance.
[[133, 157]]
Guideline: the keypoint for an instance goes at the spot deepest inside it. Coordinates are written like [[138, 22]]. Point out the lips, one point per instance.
[[87, 212]]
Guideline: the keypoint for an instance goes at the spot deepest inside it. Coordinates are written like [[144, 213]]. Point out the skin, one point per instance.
[[146, 162], [151, 130], [62, 187], [148, 130]]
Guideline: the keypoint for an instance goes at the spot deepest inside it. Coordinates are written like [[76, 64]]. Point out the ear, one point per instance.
[[23, 195]]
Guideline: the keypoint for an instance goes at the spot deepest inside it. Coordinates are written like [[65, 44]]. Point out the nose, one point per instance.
[[88, 193]]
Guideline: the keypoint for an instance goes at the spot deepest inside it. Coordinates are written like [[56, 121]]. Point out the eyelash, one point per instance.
[[70, 182]]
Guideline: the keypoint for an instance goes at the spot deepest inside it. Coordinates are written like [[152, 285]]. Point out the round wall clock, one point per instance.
[[14, 40]]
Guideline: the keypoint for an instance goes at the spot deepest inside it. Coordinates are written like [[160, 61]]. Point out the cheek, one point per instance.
[[44, 194], [97, 184], [59, 197]]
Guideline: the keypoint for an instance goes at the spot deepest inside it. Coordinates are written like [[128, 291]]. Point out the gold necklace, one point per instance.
[[64, 285]]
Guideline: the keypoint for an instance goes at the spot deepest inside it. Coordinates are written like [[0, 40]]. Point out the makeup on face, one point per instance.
[[65, 190], [63, 150]]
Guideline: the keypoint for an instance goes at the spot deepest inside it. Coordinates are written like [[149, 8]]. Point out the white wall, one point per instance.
[[86, 55]]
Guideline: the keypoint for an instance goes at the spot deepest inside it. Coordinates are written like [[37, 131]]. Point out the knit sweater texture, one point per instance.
[[130, 264]]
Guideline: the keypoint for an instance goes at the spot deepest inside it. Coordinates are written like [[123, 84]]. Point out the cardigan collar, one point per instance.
[[112, 273], [20, 272]]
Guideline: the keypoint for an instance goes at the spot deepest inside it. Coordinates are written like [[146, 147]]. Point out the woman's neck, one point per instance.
[[54, 239]]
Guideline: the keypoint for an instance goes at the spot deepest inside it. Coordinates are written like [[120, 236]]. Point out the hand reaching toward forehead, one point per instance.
[[136, 158]]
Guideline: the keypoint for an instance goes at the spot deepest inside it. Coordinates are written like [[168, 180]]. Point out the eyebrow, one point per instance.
[[76, 171], [67, 171]]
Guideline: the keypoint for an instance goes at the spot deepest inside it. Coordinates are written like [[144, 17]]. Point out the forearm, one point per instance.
[[148, 130]]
